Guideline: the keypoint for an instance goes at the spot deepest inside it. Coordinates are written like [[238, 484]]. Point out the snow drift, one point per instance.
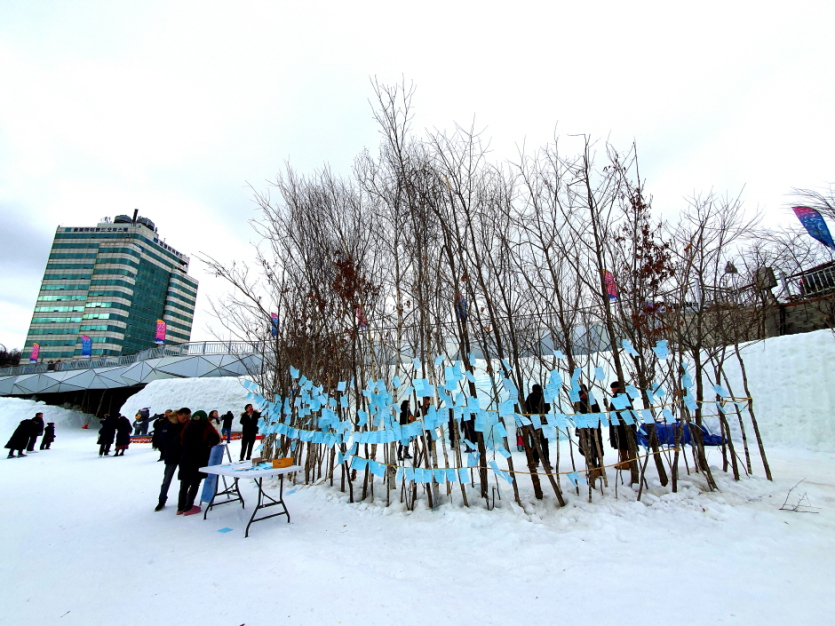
[[223, 394], [14, 410]]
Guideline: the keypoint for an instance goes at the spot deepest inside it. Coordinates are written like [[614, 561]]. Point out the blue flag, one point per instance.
[[815, 225]]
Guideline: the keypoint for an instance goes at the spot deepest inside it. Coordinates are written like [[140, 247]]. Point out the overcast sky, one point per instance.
[[176, 107]]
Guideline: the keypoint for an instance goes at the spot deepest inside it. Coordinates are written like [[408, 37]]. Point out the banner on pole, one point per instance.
[[36, 350], [461, 307], [160, 337], [611, 287], [815, 225], [274, 317], [86, 346]]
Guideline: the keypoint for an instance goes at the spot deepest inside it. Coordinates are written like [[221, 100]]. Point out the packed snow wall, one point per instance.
[[223, 394], [792, 381]]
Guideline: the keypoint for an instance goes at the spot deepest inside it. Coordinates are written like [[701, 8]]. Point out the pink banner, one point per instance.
[[36, 350], [611, 287], [160, 338]]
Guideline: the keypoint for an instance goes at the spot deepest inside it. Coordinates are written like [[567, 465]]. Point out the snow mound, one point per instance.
[[793, 385], [207, 394], [15, 410]]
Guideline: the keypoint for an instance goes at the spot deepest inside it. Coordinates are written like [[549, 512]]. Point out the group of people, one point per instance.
[[185, 441], [407, 417], [590, 441], [26, 436], [116, 427]]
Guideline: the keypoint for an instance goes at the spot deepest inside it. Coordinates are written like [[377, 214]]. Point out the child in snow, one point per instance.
[[48, 436]]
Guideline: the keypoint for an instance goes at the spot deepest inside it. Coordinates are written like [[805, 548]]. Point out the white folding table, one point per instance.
[[257, 473]]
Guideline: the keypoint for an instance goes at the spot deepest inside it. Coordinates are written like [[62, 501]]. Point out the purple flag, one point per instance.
[[815, 225]]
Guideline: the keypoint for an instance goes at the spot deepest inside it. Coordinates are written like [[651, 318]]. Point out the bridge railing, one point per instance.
[[197, 348]]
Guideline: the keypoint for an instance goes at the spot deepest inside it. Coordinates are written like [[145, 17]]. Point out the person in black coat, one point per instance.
[[590, 439], [37, 432], [107, 433], [48, 436], [20, 437], [406, 418], [123, 431], [160, 427], [249, 430], [168, 442], [226, 425], [618, 436], [535, 403], [198, 437]]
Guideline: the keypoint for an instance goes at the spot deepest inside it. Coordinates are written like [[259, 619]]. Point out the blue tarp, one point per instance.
[[667, 435]]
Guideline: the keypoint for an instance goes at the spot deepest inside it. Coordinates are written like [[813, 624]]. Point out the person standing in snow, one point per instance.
[[198, 437], [123, 431], [48, 436], [590, 439], [20, 437], [37, 432], [249, 430], [160, 427], [535, 403], [107, 433], [170, 446], [406, 418], [618, 435], [226, 426]]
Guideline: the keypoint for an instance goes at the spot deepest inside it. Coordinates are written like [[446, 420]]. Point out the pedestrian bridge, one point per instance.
[[204, 359]]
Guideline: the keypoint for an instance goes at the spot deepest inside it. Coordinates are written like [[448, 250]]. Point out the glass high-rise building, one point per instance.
[[111, 282]]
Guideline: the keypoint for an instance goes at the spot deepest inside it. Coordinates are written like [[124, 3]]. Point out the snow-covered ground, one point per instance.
[[82, 545]]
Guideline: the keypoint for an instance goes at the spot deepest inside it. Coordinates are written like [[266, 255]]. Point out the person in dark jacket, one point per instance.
[[20, 437], [37, 432], [249, 430], [226, 425], [198, 437], [170, 446], [123, 431], [160, 427], [590, 439], [48, 436], [107, 433], [618, 435], [406, 418], [535, 403]]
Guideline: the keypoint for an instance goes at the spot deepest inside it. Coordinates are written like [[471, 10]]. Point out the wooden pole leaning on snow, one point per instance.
[[751, 412]]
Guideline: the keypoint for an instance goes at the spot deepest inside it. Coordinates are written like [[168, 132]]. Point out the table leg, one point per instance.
[[227, 491], [272, 502]]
